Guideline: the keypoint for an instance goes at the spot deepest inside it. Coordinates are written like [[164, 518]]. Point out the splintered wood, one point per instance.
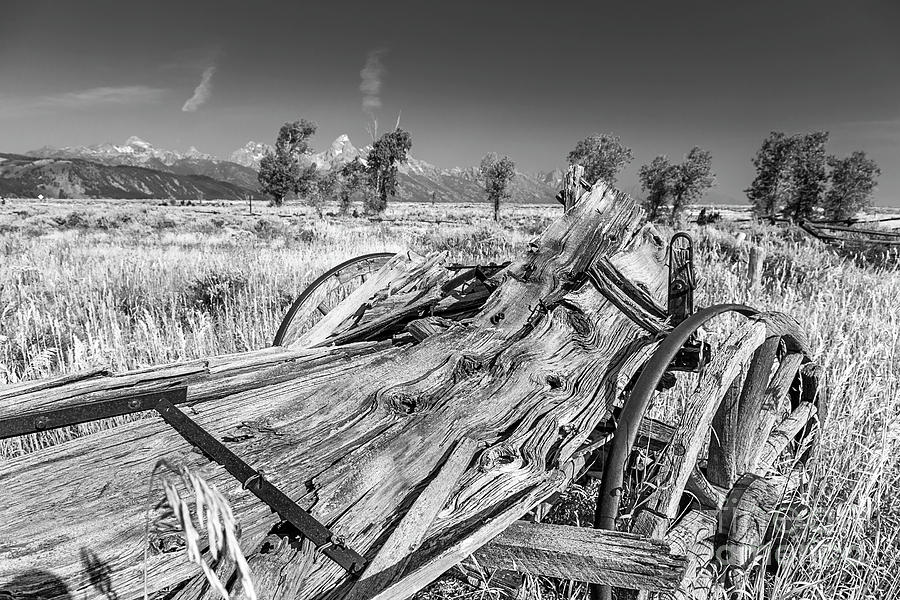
[[354, 421]]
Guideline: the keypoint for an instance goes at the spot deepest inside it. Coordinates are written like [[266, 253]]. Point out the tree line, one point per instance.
[[288, 169], [795, 177], [669, 187]]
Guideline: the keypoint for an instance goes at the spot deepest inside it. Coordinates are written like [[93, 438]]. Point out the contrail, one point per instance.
[[371, 75], [202, 92]]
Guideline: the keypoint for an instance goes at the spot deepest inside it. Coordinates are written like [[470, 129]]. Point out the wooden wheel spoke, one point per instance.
[[317, 299], [708, 494], [737, 417], [773, 405], [784, 434], [749, 411]]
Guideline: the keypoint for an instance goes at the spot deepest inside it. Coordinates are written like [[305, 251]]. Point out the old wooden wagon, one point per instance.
[[415, 414]]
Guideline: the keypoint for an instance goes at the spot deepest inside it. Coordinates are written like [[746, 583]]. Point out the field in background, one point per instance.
[[127, 284]]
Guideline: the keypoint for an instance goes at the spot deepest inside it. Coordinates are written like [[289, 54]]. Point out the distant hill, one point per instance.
[[136, 152], [29, 176]]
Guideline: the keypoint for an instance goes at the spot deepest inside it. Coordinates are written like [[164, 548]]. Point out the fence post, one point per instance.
[[755, 266]]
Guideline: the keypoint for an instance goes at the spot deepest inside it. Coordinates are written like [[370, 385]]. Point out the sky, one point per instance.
[[522, 78]]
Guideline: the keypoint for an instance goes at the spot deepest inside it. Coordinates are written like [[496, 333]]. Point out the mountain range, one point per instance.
[[69, 176], [30, 176], [136, 152]]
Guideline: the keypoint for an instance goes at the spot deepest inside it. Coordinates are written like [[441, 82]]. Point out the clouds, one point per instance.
[[371, 76], [202, 92], [97, 97], [103, 97]]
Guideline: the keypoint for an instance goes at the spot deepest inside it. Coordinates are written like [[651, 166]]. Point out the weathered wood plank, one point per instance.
[[653, 434], [391, 559], [585, 554], [25, 387], [427, 565], [206, 379]]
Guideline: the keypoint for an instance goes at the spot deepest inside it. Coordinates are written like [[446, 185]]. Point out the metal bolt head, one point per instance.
[[41, 422], [134, 403]]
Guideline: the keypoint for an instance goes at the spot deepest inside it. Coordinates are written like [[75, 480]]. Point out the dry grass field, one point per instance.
[[128, 284]]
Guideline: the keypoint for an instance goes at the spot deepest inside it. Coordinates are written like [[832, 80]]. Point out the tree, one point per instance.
[[281, 171], [791, 175], [853, 180], [351, 179], [389, 150], [277, 176], [602, 155], [767, 192], [656, 181], [809, 175], [497, 171], [690, 180], [681, 184]]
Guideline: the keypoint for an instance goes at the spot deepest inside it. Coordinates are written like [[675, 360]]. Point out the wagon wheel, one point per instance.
[[325, 293], [755, 413]]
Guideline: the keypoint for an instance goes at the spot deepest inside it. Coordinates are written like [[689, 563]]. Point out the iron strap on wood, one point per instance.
[[45, 420], [165, 404], [327, 542]]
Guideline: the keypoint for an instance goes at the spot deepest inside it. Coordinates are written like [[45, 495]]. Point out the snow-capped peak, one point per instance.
[[137, 142]]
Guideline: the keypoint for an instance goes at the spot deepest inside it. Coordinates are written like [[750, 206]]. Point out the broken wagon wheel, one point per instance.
[[325, 293], [747, 413]]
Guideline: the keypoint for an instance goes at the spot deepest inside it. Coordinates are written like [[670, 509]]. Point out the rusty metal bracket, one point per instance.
[[680, 305], [250, 479], [682, 282]]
